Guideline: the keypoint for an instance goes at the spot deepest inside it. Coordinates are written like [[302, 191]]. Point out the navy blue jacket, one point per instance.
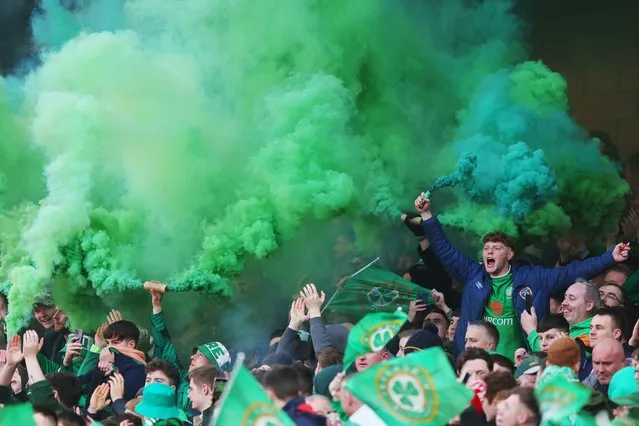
[[132, 371], [539, 281], [302, 414]]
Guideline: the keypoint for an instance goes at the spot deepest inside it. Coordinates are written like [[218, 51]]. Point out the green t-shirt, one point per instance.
[[500, 312]]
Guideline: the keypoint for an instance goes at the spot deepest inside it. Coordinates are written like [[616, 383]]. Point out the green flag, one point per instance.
[[19, 414], [561, 401], [245, 403], [374, 290], [420, 388], [371, 334]]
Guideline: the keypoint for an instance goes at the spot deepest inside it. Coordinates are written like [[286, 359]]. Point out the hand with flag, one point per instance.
[[420, 388], [375, 290], [371, 334]]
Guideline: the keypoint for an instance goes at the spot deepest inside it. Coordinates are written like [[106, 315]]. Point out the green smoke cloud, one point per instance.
[[525, 146], [185, 140]]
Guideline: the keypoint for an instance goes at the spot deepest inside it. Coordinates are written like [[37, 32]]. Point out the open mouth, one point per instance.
[[490, 262], [361, 364]]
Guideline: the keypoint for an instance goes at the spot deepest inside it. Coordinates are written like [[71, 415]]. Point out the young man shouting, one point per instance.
[[495, 290]]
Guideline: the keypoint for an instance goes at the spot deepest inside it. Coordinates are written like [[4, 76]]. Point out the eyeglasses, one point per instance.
[[610, 297]]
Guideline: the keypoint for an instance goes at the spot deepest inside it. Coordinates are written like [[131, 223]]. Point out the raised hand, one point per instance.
[[298, 314], [116, 386], [156, 301], [439, 300], [529, 321], [14, 350], [99, 336], [335, 387], [414, 307], [313, 300], [520, 354], [31, 344], [621, 252], [73, 351], [99, 399], [114, 316], [422, 205]]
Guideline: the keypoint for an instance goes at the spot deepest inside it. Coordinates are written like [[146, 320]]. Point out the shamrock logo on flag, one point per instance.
[[381, 297], [420, 388], [403, 390]]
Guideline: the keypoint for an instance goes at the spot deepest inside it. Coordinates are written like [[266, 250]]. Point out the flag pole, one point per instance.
[[350, 276], [329, 300], [239, 361], [365, 267]]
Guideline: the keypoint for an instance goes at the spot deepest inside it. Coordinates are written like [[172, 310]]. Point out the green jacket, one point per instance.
[[165, 350], [579, 331]]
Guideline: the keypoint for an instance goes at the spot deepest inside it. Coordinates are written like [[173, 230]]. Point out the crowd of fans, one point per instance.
[[508, 323]]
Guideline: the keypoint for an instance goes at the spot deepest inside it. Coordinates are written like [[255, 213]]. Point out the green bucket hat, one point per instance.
[[623, 389], [217, 354], [158, 402]]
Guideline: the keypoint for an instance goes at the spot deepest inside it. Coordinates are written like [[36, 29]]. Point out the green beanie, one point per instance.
[[217, 354]]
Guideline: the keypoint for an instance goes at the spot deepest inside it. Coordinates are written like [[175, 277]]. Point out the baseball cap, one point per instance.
[[529, 365]]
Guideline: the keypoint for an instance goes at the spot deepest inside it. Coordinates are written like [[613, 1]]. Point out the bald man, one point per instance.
[[607, 358]]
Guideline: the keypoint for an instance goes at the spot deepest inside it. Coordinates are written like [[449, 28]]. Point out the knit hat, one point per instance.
[[623, 389], [158, 402], [338, 336], [216, 353], [565, 352], [324, 378], [423, 339], [529, 365]]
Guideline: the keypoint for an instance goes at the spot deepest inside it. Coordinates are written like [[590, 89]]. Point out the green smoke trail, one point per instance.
[[525, 144], [193, 137]]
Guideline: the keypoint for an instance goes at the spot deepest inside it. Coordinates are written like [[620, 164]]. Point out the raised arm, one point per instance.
[[453, 259], [164, 348], [557, 279], [298, 315], [31, 345], [14, 357], [313, 301]]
